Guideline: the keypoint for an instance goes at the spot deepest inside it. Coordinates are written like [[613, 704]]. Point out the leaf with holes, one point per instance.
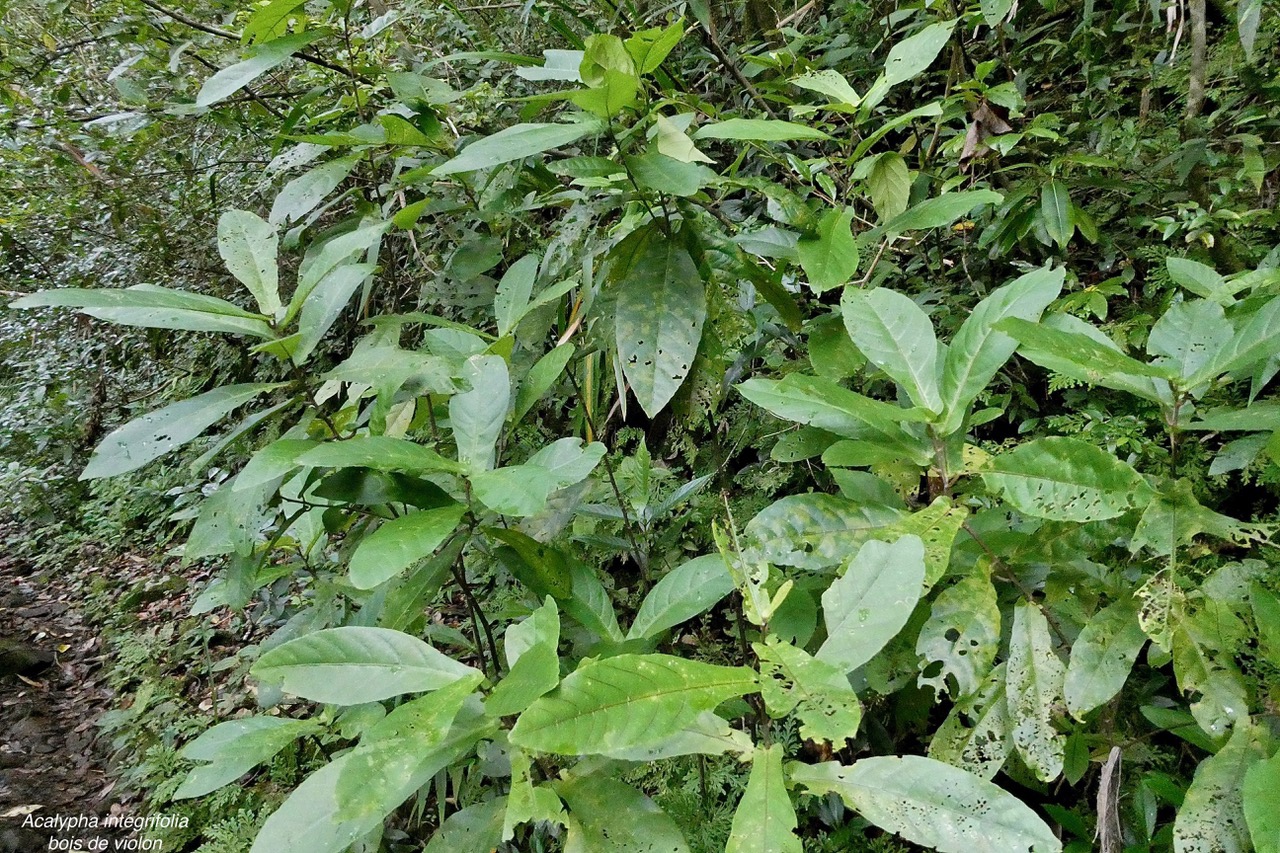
[[1102, 656], [977, 735], [818, 692], [1035, 679], [1066, 479], [932, 804], [661, 307], [958, 645], [1261, 800], [765, 820], [1212, 818], [870, 603], [813, 531], [1187, 336], [626, 701]]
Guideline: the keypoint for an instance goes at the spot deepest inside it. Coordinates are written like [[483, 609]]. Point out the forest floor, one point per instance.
[[52, 761]]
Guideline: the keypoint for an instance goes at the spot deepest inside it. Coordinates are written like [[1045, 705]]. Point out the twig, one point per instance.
[[1022, 588], [714, 44]]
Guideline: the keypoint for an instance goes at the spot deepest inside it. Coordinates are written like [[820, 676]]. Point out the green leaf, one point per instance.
[[896, 336], [675, 143], [248, 247], [813, 531], [516, 143], [514, 290], [153, 307], [831, 83], [626, 701], [325, 303], [302, 194], [523, 490], [869, 604], [540, 378], [1102, 656], [1266, 615], [526, 802], [1073, 348], [1035, 682], [940, 211], [1261, 800], [379, 452], [932, 804], [661, 306], [1055, 212], [272, 462], [1199, 279], [828, 405], [818, 692], [978, 350], [765, 820], [608, 816], [1212, 818], [323, 258], [890, 185], [265, 21], [995, 11], [958, 645], [618, 91], [758, 130], [937, 525], [1066, 479], [830, 256], [234, 748], [475, 829], [1248, 14], [688, 590], [399, 543], [261, 59], [1187, 336], [154, 434], [351, 665], [532, 660], [977, 735], [649, 47], [655, 171], [1256, 340], [911, 56], [477, 416]]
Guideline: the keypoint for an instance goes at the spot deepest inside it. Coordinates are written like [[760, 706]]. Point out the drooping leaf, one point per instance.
[[475, 829], [626, 701], [154, 434], [661, 306], [896, 336], [813, 531], [686, 591], [353, 664], [262, 59], [932, 804], [514, 291], [1055, 212], [958, 645], [830, 256], [248, 247], [229, 750], [153, 307], [870, 603], [977, 735], [889, 182], [302, 194], [1102, 656], [516, 143], [1066, 479], [914, 54], [399, 543], [765, 820], [1035, 682], [1260, 798], [477, 416], [1212, 818], [608, 816]]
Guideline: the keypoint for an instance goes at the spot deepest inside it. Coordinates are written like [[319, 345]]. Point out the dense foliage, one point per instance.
[[672, 428]]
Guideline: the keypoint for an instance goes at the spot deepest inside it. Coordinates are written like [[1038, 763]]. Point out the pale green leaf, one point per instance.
[[379, 452], [828, 405], [1261, 800], [248, 247], [758, 130], [608, 816], [813, 531], [911, 56], [352, 664], [262, 59], [523, 490], [1035, 683], [890, 185], [514, 290], [995, 11], [399, 543], [932, 804], [626, 701], [153, 307], [1055, 212], [1212, 818], [302, 194], [1066, 479], [233, 748], [477, 416], [870, 603], [1102, 656], [958, 645], [325, 303], [940, 211], [831, 83], [1187, 336], [686, 591], [675, 143], [896, 336], [475, 829], [765, 820], [817, 692], [533, 662], [1248, 14], [977, 735], [1255, 340], [516, 143]]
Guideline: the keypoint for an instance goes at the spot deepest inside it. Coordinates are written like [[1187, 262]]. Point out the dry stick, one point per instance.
[[477, 615], [1022, 588]]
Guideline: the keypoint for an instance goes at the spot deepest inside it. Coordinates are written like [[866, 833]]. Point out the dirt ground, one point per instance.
[[52, 763]]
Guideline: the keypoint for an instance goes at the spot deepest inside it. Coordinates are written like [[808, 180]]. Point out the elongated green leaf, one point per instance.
[[516, 143], [932, 804], [523, 490], [813, 531], [1261, 800], [1035, 682], [890, 185], [272, 462], [1188, 335], [1102, 656], [817, 692], [870, 603], [1199, 279], [1259, 416], [828, 405], [325, 303], [261, 59], [914, 54], [758, 130], [995, 11], [674, 143], [352, 664], [958, 645], [1212, 818], [475, 829], [301, 195], [661, 307], [1248, 14], [526, 802], [830, 256], [1069, 346], [248, 247], [765, 820], [683, 593], [940, 211], [379, 452], [533, 661], [896, 336], [153, 307], [977, 735], [544, 373], [399, 543], [608, 816], [626, 701], [234, 748], [1066, 479], [512, 298], [1257, 339], [156, 433], [831, 83], [978, 350], [477, 415], [1055, 212]]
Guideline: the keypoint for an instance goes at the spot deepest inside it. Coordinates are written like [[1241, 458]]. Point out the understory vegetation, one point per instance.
[[586, 426]]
